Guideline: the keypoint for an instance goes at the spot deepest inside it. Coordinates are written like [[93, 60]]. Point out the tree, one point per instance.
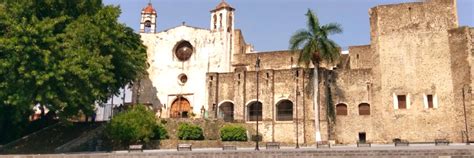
[[314, 46], [135, 125], [64, 55]]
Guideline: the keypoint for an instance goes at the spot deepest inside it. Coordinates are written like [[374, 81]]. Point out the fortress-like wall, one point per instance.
[[360, 57], [412, 58], [240, 88]]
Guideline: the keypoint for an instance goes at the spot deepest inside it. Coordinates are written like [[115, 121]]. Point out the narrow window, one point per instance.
[[220, 20], [229, 23], [341, 109], [402, 101], [429, 99], [215, 21]]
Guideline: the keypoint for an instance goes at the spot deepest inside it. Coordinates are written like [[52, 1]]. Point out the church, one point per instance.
[[411, 82]]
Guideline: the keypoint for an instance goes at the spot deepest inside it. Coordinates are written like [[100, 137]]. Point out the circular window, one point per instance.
[[182, 78], [184, 50]]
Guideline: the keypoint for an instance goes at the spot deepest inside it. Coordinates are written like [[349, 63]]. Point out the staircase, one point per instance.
[[46, 141]]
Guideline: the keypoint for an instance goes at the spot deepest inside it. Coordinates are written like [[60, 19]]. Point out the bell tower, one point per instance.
[[148, 20], [222, 18]]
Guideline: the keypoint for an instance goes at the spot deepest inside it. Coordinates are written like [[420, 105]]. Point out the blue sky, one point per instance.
[[268, 24]]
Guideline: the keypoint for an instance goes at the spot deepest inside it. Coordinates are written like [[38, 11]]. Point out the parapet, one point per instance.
[[426, 16]]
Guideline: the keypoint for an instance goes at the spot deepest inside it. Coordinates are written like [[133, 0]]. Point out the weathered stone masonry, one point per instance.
[[412, 81]]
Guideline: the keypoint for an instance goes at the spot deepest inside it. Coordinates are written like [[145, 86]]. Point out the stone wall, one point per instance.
[[275, 60], [416, 17], [412, 58], [416, 50], [274, 86], [360, 57], [351, 88], [459, 45]]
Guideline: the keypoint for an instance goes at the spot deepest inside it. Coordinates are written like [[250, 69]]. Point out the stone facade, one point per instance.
[[413, 79]]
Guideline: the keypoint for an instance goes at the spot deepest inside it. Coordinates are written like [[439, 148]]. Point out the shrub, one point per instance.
[[159, 132], [132, 126], [233, 133], [189, 132]]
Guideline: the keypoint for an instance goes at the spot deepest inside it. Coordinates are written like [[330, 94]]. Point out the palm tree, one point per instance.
[[314, 46]]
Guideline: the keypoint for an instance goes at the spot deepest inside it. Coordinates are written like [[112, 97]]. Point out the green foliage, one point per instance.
[[233, 133], [159, 132], [65, 55], [313, 43], [132, 126], [189, 132]]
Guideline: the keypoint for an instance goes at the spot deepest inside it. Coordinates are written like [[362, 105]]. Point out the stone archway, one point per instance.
[[180, 108], [226, 111]]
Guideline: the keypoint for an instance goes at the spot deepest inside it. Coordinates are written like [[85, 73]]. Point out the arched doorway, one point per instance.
[[226, 111], [180, 108]]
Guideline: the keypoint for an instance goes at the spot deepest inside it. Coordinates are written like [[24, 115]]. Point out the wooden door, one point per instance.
[[181, 108]]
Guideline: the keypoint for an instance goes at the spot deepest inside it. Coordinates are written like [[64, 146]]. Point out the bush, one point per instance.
[[159, 132], [233, 133], [189, 132], [132, 126]]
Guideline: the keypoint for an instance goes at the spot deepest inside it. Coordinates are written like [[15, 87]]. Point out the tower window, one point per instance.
[[429, 99], [229, 23], [220, 20], [147, 26], [215, 21], [402, 101]]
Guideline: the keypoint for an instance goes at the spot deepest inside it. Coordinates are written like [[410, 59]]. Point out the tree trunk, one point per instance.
[[315, 102], [42, 115], [329, 115]]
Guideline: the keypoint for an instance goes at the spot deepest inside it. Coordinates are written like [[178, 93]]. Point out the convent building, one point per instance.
[[412, 81]]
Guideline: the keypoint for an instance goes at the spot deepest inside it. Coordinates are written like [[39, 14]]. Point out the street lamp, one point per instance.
[[296, 107], [465, 117], [257, 67]]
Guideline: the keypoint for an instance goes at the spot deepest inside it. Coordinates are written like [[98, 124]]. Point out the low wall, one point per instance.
[[409, 152]]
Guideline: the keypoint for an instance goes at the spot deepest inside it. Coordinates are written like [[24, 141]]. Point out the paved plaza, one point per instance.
[[377, 150]]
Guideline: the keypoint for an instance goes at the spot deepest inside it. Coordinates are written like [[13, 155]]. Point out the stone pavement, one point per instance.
[[413, 151]]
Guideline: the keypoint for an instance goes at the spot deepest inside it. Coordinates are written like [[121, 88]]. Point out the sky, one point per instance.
[[269, 24]]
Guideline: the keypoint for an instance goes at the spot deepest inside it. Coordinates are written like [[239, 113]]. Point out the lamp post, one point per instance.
[[465, 117], [296, 108], [257, 67]]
